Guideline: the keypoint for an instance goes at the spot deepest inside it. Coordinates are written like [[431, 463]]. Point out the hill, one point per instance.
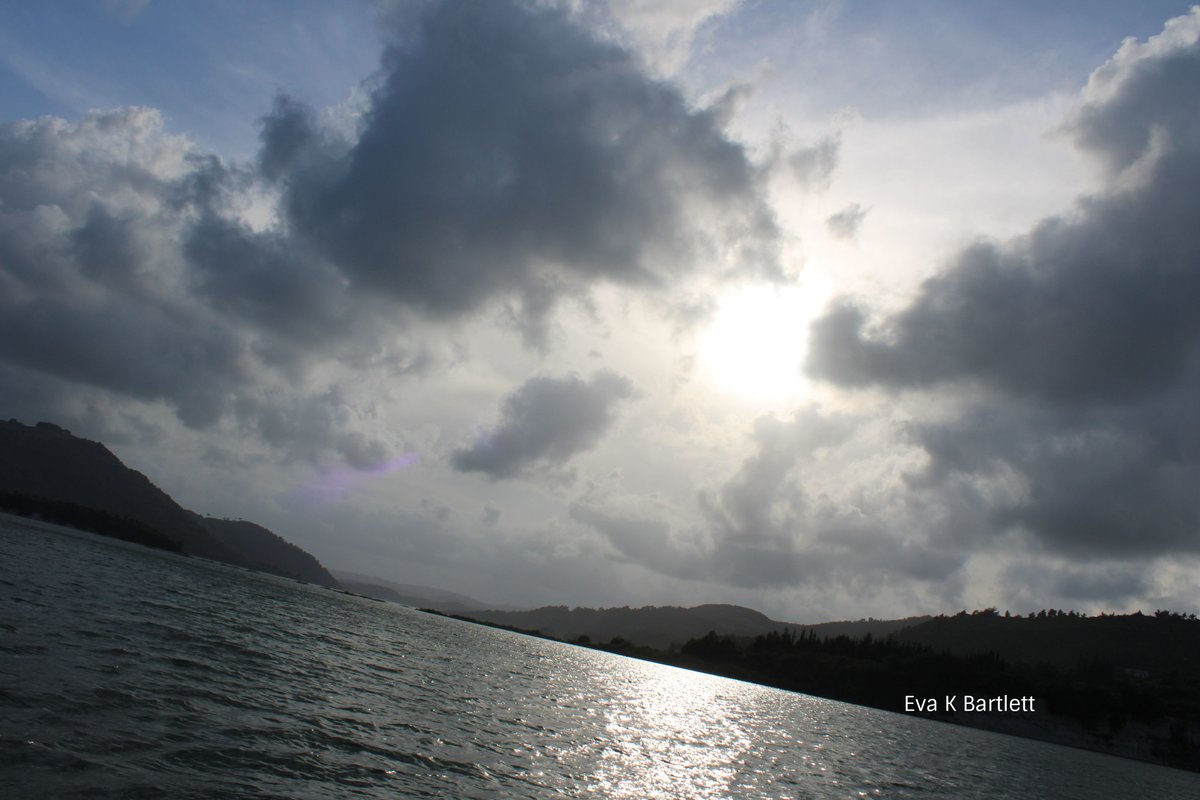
[[46, 461], [44, 470], [268, 551], [1138, 643], [87, 519], [663, 626]]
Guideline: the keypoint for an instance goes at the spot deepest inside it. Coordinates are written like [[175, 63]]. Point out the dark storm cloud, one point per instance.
[[308, 426], [1092, 306], [506, 150], [146, 353], [544, 423], [1113, 583], [1115, 480], [292, 137], [1065, 584], [505, 158], [86, 267], [265, 280], [1143, 93], [99, 303], [1084, 334]]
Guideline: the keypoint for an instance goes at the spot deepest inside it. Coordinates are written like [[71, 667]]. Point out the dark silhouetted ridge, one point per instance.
[[47, 461], [1154, 644], [45, 464], [268, 551], [663, 626]]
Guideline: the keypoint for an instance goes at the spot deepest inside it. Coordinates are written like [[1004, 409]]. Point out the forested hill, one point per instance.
[[44, 463], [1136, 643], [662, 626], [1140, 643], [268, 551]]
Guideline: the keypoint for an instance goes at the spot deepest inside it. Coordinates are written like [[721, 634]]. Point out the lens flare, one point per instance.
[[332, 486]]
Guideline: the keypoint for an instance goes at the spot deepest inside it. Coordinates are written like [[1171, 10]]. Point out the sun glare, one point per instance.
[[754, 347]]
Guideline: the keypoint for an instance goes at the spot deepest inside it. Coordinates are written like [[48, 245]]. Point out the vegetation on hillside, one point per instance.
[[88, 519], [661, 627], [47, 471]]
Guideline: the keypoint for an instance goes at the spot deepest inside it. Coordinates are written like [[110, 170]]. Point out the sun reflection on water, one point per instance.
[[676, 737]]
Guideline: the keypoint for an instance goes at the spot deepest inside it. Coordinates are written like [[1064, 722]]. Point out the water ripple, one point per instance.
[[127, 673]]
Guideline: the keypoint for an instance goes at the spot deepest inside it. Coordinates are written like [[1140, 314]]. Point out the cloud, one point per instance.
[[663, 33], [544, 423], [1138, 96], [508, 153], [297, 303], [504, 158], [1090, 306], [643, 539], [120, 280], [1066, 364], [92, 291], [813, 166], [793, 516], [1103, 584], [845, 223], [836, 509], [779, 521], [1097, 483], [1073, 350]]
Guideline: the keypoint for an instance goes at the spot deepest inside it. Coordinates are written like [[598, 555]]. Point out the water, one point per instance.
[[130, 673]]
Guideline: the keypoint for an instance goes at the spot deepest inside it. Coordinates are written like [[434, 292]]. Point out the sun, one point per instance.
[[755, 344]]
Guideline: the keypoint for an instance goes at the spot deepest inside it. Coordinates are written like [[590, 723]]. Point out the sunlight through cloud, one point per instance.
[[755, 344]]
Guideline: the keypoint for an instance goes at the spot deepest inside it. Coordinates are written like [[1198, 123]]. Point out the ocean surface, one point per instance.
[[129, 673]]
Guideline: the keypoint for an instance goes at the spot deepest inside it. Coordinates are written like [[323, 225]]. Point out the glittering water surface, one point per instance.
[[130, 673]]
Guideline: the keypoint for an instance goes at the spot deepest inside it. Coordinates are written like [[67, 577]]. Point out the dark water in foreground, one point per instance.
[[129, 673]]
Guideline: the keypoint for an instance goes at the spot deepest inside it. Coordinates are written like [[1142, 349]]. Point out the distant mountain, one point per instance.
[[407, 594], [662, 626], [47, 462]]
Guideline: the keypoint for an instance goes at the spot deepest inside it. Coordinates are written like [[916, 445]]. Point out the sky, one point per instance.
[[832, 309]]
